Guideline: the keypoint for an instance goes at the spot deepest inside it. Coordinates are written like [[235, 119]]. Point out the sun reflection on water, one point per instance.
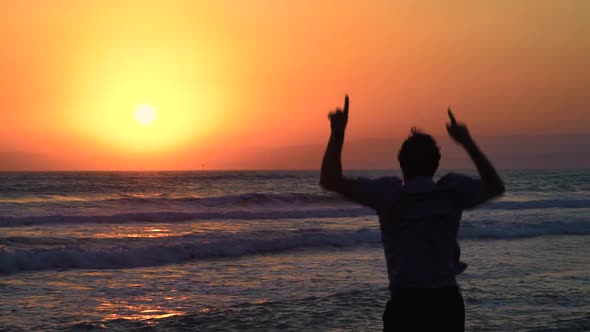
[[144, 311], [148, 232]]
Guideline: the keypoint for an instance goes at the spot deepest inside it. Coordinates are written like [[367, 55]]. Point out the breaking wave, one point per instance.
[[92, 253]]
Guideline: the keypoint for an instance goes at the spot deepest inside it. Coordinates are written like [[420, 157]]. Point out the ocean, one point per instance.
[[268, 251]]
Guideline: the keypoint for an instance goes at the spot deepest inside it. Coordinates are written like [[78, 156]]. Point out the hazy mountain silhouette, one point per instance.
[[559, 151], [27, 161], [563, 151]]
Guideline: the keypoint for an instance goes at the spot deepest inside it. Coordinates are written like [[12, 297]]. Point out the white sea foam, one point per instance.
[[95, 253], [174, 249], [251, 207]]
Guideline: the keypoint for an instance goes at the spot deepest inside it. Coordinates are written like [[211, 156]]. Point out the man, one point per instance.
[[419, 221]]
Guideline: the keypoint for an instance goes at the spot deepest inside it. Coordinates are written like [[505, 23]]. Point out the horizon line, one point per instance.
[[269, 170]]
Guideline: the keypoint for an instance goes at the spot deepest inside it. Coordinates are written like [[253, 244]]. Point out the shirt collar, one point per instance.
[[419, 184]]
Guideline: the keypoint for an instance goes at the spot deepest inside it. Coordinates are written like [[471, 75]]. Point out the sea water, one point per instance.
[[270, 250]]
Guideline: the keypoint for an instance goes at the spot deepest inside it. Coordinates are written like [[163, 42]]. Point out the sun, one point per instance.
[[145, 114]]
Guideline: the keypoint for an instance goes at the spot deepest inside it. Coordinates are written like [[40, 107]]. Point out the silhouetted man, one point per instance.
[[419, 221]]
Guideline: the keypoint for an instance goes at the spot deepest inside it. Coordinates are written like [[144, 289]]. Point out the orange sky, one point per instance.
[[229, 76]]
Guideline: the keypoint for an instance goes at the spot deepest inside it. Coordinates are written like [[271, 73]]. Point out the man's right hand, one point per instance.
[[339, 118], [458, 131], [491, 180]]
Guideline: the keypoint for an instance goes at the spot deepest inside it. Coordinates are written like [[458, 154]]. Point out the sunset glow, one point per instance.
[[145, 114], [236, 165], [227, 77]]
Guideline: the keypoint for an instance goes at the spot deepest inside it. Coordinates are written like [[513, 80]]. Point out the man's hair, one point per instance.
[[419, 155]]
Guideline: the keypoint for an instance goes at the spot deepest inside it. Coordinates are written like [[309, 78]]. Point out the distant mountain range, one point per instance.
[[571, 151], [560, 151]]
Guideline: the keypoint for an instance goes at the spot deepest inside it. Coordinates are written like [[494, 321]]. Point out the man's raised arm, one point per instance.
[[493, 184], [331, 177]]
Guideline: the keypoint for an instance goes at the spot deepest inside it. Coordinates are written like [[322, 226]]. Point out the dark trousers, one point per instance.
[[425, 309]]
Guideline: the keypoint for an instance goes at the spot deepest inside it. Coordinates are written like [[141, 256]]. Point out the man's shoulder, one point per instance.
[[452, 179], [469, 191], [381, 182], [379, 192]]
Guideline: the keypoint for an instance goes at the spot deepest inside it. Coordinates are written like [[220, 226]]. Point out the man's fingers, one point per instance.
[[340, 112], [452, 117], [346, 105], [335, 113]]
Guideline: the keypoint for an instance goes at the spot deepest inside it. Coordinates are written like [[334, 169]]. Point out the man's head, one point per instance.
[[419, 155]]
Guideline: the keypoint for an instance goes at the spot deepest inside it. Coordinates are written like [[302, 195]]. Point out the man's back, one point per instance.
[[419, 221]]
